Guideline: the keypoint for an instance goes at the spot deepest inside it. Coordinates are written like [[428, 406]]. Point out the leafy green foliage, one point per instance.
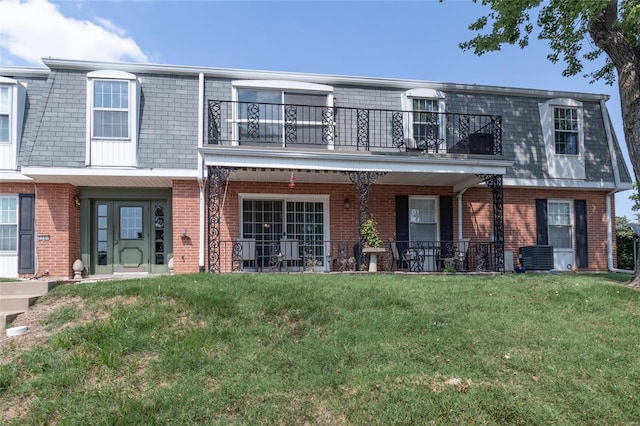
[[624, 243], [563, 24], [370, 234]]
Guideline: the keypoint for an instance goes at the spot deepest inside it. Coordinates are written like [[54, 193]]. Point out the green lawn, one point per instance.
[[331, 349]]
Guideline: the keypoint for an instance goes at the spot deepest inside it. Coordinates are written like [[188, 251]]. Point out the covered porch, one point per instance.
[[294, 211]]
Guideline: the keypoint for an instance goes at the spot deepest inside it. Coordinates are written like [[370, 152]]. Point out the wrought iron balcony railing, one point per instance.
[[342, 128]]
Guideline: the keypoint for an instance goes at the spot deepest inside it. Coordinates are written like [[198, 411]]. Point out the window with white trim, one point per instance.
[[113, 109], [425, 124], [272, 110], [559, 224], [8, 223], [565, 130], [423, 219], [5, 114], [282, 112], [562, 123], [110, 109]]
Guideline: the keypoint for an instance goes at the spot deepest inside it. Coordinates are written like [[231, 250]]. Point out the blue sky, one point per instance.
[[412, 40]]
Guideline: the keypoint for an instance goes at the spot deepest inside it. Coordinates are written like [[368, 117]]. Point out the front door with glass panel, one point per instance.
[[128, 236]]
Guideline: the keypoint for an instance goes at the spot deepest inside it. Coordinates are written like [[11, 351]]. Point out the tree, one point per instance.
[[635, 197], [625, 239], [577, 31]]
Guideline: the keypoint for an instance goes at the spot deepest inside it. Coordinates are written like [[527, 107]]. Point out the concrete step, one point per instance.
[[6, 317], [18, 302], [25, 287]]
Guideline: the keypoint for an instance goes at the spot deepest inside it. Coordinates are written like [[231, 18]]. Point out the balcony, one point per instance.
[[352, 129]]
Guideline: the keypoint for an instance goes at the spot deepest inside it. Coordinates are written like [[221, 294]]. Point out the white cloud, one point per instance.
[[33, 29]]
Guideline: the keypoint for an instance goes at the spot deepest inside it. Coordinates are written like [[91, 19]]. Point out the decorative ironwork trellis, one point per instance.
[[397, 130], [215, 109], [363, 182], [495, 183], [363, 129], [496, 127], [216, 178]]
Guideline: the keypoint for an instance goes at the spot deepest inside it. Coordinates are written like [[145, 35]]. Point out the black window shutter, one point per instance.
[[26, 234], [582, 250], [446, 218], [542, 233], [402, 218]]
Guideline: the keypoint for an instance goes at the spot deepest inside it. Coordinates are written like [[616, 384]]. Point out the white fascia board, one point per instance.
[[338, 161], [331, 80], [25, 71], [283, 85], [109, 172], [563, 184], [13, 176]]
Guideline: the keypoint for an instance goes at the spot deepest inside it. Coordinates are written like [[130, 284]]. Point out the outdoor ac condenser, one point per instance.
[[537, 258]]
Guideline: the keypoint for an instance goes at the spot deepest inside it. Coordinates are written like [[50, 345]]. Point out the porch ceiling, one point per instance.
[[269, 165], [132, 178], [282, 176]]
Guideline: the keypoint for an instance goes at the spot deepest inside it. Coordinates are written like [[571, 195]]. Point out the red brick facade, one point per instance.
[[58, 217]]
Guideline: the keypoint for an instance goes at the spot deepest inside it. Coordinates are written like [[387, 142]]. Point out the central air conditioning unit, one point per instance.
[[537, 258]]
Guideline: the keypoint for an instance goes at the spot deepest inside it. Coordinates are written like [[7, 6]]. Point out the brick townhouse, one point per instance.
[[144, 168]]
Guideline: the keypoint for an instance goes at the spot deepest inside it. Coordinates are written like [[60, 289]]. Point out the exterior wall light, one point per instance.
[[347, 203]]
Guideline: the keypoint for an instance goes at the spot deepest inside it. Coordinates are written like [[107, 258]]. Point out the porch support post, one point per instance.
[[216, 178], [495, 183], [363, 182]]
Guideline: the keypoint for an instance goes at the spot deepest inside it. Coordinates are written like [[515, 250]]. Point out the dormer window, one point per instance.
[[12, 103], [110, 109], [565, 128], [561, 120], [112, 118], [425, 127], [5, 108]]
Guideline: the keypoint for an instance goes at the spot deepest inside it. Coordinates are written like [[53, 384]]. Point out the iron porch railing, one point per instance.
[[290, 255], [233, 123]]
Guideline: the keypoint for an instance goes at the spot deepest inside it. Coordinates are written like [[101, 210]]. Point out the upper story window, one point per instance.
[[110, 109], [5, 111], [283, 113], [565, 126], [13, 96], [425, 126]]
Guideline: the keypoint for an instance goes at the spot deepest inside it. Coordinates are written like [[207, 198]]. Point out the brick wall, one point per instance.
[[59, 218], [186, 214]]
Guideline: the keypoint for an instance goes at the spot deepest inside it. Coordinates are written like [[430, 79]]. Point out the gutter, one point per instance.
[[609, 196], [201, 209]]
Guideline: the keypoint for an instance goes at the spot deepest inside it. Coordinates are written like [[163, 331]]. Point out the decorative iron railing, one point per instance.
[[287, 255], [343, 128]]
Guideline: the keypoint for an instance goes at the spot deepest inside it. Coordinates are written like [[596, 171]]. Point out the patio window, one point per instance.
[[279, 117]]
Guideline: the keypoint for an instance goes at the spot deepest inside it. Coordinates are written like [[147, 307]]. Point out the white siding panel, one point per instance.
[[9, 265], [113, 153], [7, 156]]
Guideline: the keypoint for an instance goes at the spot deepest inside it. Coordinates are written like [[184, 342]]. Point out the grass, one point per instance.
[[333, 349]]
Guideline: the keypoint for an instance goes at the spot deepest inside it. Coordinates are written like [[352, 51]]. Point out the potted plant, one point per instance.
[[372, 243], [370, 234]]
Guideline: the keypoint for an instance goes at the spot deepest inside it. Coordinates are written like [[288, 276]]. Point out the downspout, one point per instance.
[[201, 227], [616, 180], [460, 213]]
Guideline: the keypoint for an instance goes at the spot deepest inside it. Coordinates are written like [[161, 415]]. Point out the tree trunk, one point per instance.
[[607, 35]]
